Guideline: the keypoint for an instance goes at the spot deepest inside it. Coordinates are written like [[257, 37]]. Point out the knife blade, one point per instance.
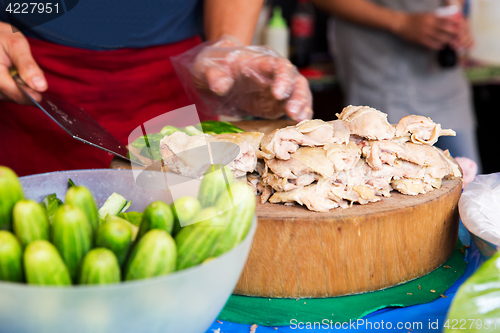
[[77, 123]]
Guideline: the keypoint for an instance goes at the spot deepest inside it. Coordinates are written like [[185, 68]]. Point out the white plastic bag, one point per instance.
[[479, 207]]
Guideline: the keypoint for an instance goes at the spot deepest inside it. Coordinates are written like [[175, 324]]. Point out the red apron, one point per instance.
[[121, 89]]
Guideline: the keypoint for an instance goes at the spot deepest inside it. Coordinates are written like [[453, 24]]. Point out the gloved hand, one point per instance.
[[240, 80], [15, 51]]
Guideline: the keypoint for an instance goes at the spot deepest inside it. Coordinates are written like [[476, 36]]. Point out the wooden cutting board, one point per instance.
[[301, 253]]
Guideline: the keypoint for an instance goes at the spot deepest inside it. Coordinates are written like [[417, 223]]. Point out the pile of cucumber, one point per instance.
[[62, 244]]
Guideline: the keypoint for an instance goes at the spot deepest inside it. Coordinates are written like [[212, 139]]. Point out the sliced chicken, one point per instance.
[[282, 142], [437, 164], [278, 183], [290, 169], [343, 156], [379, 152], [266, 194], [186, 155], [192, 155], [254, 180], [367, 122], [341, 131], [314, 197], [248, 143], [315, 158], [419, 129], [316, 129], [410, 186]]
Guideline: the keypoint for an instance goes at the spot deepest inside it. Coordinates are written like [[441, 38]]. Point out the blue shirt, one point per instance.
[[113, 24]]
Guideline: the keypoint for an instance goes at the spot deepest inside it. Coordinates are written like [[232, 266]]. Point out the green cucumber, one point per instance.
[[155, 254], [192, 131], [133, 217], [99, 266], [158, 215], [238, 209], [11, 192], [216, 180], [43, 265], [184, 209], [71, 233], [196, 242], [51, 202], [113, 205], [167, 130], [219, 127], [81, 197], [70, 183], [116, 235], [30, 222], [11, 258], [127, 206]]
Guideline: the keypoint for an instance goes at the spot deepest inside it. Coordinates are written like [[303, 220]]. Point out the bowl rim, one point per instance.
[[133, 283]]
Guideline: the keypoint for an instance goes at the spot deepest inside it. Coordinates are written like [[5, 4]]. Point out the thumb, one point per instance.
[[20, 54]]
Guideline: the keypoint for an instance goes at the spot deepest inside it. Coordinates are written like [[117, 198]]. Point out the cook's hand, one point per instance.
[[256, 79], [15, 51], [464, 40], [427, 29]]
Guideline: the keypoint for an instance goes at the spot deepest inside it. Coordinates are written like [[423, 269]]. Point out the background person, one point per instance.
[[386, 57]]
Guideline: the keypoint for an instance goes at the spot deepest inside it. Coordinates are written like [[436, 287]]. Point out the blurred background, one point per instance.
[[299, 30]]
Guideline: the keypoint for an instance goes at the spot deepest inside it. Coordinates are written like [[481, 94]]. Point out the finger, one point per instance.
[[433, 43], [219, 80], [447, 26], [19, 52], [284, 77], [299, 106]]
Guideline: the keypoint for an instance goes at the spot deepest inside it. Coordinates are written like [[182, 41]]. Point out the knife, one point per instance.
[[76, 122]]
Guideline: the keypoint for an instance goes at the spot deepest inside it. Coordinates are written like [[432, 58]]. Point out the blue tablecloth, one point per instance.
[[429, 317]]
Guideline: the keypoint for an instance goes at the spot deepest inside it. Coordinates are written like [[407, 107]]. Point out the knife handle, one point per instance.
[[13, 71], [15, 75]]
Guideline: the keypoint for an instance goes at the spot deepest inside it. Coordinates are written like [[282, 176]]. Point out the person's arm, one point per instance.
[[426, 29], [231, 17], [363, 12]]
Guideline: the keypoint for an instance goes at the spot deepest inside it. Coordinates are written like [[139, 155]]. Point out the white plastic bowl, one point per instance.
[[187, 301]]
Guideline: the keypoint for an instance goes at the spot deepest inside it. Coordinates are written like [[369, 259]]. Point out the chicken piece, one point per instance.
[[420, 129], [192, 155], [410, 186], [305, 180], [290, 169], [367, 122], [379, 152], [253, 180], [266, 194], [361, 194], [352, 177], [315, 158], [246, 159], [341, 131], [437, 164], [316, 129], [186, 155], [277, 183], [315, 197], [282, 142], [342, 156]]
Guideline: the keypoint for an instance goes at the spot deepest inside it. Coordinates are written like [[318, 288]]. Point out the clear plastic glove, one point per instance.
[[237, 80]]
